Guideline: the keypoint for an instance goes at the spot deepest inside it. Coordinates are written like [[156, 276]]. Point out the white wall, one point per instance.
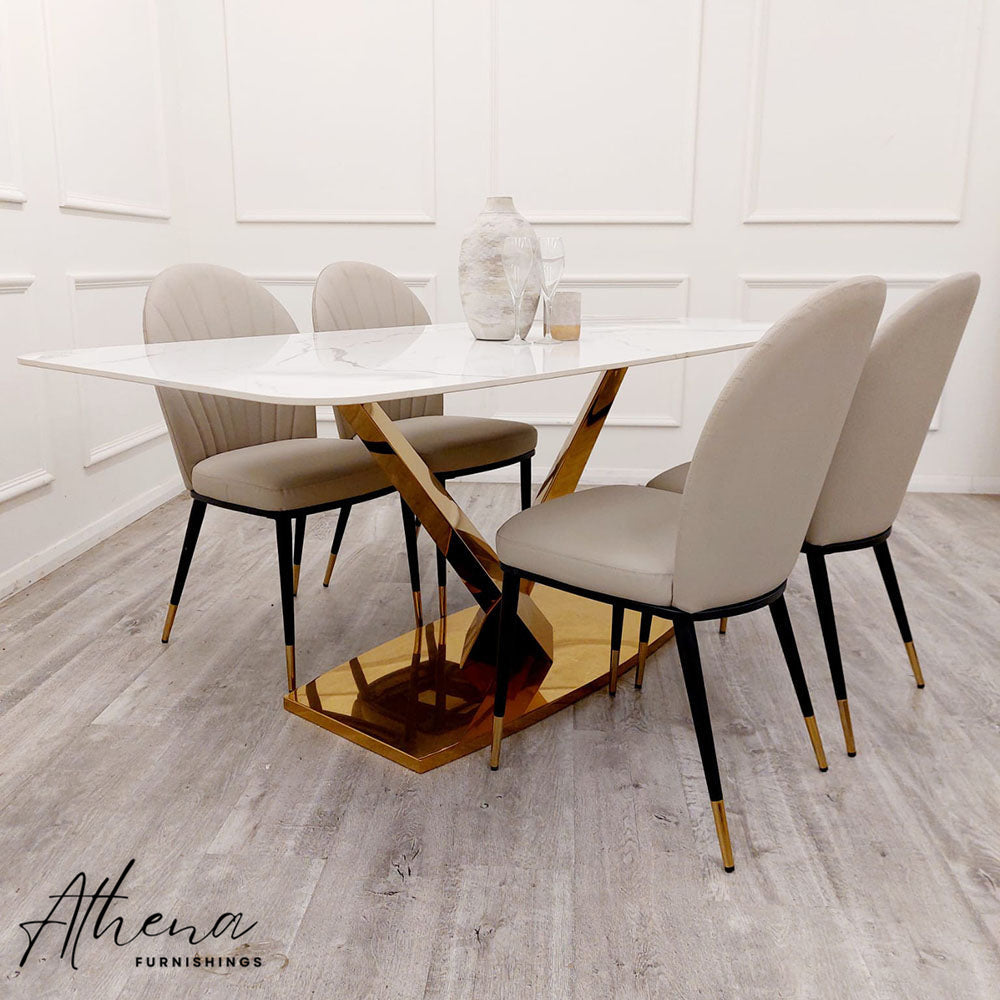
[[709, 157]]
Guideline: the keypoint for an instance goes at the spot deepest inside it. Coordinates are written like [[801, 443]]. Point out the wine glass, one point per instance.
[[552, 258], [518, 256]]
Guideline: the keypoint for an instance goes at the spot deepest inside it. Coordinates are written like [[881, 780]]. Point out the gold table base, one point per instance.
[[421, 701]]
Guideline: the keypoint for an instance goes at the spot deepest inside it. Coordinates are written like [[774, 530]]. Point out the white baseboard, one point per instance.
[[35, 567]]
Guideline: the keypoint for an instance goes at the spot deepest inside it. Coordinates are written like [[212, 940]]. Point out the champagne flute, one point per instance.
[[518, 255], [553, 259]]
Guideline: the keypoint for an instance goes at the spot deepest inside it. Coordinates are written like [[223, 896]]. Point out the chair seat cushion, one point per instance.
[[455, 443], [289, 475], [672, 480], [613, 540]]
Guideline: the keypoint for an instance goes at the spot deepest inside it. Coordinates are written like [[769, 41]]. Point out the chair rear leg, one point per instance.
[[525, 482], [694, 682], [195, 519], [283, 534], [783, 626], [510, 595], [896, 600], [645, 625], [412, 558], [300, 537], [828, 625], [338, 537]]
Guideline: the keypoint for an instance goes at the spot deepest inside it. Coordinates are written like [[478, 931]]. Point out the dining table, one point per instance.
[[425, 697]]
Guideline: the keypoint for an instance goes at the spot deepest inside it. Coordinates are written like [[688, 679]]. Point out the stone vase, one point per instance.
[[482, 284]]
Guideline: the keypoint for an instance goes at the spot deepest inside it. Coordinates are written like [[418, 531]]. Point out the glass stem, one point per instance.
[[517, 311], [545, 315]]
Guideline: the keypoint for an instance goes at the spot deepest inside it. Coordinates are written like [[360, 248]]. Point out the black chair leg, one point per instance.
[[283, 533], [694, 682], [510, 595], [413, 559], [896, 600], [195, 519], [300, 537], [645, 625], [783, 626], [525, 482], [338, 537], [828, 625], [617, 620]]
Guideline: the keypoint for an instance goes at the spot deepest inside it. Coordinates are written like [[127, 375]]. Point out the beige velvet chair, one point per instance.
[[259, 458], [885, 429], [352, 295], [726, 544]]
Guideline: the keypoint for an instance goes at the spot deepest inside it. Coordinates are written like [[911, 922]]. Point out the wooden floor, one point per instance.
[[587, 867]]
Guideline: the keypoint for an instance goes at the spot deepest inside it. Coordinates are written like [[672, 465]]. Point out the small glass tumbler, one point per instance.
[[564, 316]]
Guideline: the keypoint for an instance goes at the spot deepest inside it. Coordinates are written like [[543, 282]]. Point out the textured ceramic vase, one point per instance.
[[486, 299]]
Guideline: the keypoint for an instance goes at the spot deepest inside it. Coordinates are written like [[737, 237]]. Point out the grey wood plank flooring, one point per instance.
[[587, 867]]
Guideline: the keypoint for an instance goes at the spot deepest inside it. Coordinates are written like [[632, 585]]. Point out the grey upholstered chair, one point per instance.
[[726, 544], [259, 458], [904, 376], [351, 295]]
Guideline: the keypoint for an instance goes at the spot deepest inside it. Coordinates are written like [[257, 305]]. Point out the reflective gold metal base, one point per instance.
[[723, 624], [296, 569], [169, 623], [290, 666], [422, 701], [918, 674], [329, 569], [722, 831], [816, 741], [495, 745], [640, 670], [845, 722]]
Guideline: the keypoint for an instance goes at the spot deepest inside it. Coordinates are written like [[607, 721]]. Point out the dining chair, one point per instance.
[[352, 295], [258, 458], [727, 544], [885, 429]]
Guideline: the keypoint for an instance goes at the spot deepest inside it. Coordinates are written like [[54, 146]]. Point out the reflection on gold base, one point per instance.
[[816, 741], [495, 745], [418, 608], [443, 600], [329, 569], [723, 624], [295, 579], [845, 722], [169, 623], [290, 666], [722, 831], [915, 664], [640, 670], [420, 701]]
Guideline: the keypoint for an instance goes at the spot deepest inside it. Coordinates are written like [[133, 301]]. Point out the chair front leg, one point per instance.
[[525, 482], [195, 519], [283, 534], [828, 625], [412, 559], [338, 537], [896, 600], [300, 537], [510, 595], [694, 682], [645, 626], [783, 626], [617, 621]]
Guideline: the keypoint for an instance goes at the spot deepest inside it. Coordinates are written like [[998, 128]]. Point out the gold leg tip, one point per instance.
[[329, 570], [169, 622], [640, 670], [613, 673], [290, 666], [723, 625], [722, 831], [845, 722], [918, 674], [817, 743], [443, 600], [495, 742], [295, 580], [418, 608]]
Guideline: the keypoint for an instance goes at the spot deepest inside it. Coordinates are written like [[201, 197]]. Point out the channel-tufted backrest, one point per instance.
[[760, 462], [207, 302], [892, 410], [352, 295]]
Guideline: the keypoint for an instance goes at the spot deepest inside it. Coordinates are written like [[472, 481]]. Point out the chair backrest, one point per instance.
[[892, 410], [764, 452], [206, 302], [352, 295]]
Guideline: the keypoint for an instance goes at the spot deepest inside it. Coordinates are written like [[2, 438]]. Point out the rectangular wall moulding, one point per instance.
[[881, 135], [332, 125], [578, 139]]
